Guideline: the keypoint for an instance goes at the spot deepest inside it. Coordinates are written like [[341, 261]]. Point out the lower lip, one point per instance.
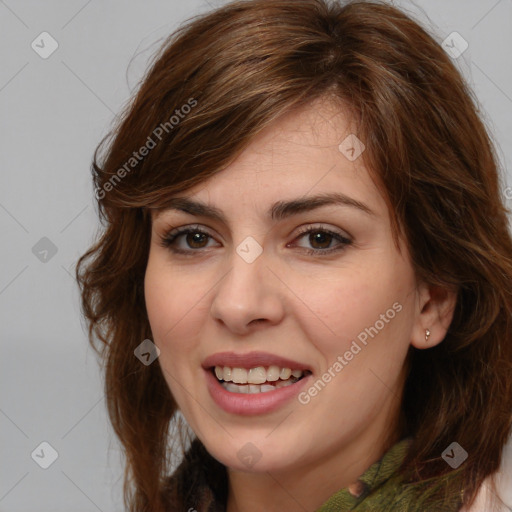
[[255, 403]]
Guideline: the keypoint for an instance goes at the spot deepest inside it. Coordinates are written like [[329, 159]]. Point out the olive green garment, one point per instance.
[[381, 489]]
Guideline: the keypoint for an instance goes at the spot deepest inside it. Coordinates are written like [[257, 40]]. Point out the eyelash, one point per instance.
[[168, 240]]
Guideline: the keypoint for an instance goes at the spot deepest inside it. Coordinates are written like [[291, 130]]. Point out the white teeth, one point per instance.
[[285, 373], [257, 379], [239, 375], [231, 387], [273, 373], [251, 389], [226, 373], [257, 375]]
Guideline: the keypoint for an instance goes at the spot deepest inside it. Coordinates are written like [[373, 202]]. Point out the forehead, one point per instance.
[[312, 131], [309, 151]]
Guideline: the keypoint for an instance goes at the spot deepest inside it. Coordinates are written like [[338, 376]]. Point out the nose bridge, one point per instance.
[[245, 280], [248, 291]]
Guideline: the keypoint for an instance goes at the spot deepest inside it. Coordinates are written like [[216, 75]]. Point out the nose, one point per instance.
[[248, 296]]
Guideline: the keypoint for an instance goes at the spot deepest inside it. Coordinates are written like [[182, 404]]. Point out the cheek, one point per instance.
[[360, 305], [173, 305], [362, 335]]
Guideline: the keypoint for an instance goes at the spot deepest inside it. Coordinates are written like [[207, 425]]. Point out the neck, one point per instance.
[[305, 487]]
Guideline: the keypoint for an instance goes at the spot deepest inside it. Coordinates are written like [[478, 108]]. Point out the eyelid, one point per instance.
[[169, 237], [170, 230], [314, 226], [304, 228], [175, 232]]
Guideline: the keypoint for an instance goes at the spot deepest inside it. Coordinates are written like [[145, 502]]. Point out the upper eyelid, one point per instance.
[[168, 241], [344, 240], [302, 230]]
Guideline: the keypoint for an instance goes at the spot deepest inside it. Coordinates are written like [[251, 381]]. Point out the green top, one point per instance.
[[381, 489]]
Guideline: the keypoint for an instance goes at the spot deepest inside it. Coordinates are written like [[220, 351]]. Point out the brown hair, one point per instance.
[[239, 68]]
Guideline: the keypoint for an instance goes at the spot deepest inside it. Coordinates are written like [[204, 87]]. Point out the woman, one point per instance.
[[306, 255]]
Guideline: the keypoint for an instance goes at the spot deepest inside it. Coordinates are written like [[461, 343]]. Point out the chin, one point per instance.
[[253, 456]]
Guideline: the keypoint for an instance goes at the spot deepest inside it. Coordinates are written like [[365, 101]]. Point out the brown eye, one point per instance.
[[320, 240], [195, 239]]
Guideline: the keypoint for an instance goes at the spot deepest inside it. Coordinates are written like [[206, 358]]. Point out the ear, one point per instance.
[[435, 307]]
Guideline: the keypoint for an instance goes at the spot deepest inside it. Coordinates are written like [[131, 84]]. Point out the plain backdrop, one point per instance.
[[53, 112]]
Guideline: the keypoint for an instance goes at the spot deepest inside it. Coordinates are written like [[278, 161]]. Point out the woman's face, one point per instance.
[[256, 297]]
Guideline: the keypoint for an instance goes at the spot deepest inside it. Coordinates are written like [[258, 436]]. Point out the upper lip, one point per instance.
[[252, 360]]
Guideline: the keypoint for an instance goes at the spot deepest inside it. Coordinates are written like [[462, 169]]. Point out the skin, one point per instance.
[[306, 307]]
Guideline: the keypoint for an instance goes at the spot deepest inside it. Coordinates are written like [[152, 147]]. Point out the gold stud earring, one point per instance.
[[427, 334]]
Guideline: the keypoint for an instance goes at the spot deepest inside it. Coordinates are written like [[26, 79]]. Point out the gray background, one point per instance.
[[54, 112]]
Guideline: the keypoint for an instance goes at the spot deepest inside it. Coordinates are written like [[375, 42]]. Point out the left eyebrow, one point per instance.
[[278, 211]]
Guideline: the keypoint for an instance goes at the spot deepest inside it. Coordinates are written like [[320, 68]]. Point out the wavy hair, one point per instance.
[[239, 68]]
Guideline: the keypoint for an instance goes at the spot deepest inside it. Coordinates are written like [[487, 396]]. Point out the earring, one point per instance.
[[427, 334]]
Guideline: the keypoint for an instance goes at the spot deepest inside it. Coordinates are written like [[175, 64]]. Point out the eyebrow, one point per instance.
[[278, 211]]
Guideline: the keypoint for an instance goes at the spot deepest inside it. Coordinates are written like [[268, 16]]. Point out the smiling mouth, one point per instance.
[[256, 380]]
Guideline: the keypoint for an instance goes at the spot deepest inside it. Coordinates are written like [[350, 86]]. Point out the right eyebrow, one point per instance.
[[278, 211]]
